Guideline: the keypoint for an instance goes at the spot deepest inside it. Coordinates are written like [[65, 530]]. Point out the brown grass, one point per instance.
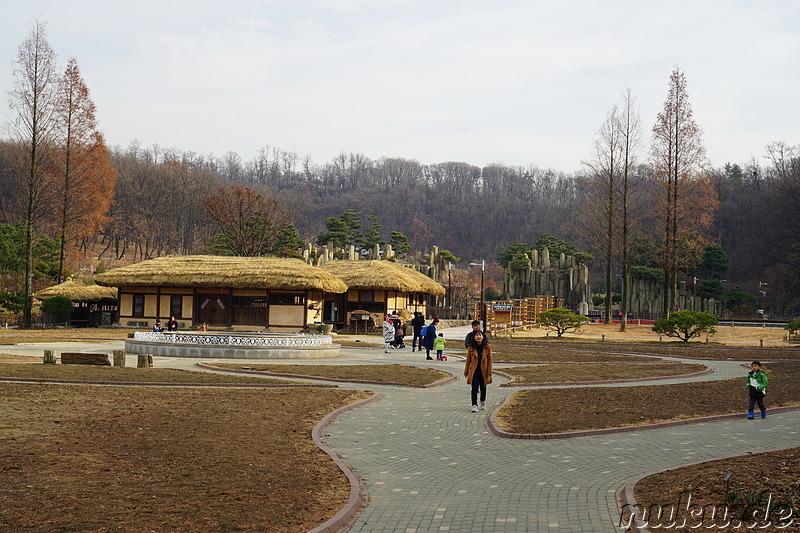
[[584, 372], [564, 348], [771, 474], [607, 407], [390, 373], [126, 374], [87, 458], [84, 458]]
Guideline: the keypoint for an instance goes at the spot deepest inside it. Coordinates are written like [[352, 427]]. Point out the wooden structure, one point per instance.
[[92, 305], [83, 358], [505, 315], [377, 288], [248, 293]]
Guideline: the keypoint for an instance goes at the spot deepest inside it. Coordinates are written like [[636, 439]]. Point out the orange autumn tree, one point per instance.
[[686, 199], [84, 174]]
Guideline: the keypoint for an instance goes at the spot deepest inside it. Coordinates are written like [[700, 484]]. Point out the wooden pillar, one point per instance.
[[119, 357]]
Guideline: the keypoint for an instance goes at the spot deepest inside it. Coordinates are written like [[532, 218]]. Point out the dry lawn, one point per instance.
[[553, 350], [15, 336], [755, 478], [389, 373], [88, 458], [727, 335], [588, 372], [113, 374], [608, 407]]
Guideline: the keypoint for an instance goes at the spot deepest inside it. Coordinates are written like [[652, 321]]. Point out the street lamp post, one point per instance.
[[483, 311], [450, 288]]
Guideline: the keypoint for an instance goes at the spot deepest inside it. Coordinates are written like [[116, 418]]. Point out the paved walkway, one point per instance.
[[430, 464]]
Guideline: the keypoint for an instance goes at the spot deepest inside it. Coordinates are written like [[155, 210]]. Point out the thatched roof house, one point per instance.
[[78, 292], [252, 292], [379, 287], [383, 275], [92, 305], [223, 271]]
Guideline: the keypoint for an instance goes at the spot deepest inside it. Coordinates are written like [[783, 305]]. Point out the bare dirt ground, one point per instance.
[[727, 335], [87, 458], [765, 483], [606, 407], [388, 373]]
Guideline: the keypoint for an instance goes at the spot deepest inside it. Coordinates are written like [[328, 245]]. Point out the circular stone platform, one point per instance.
[[233, 345]]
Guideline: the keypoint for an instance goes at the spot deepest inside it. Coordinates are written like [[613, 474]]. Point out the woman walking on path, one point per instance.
[[478, 368], [429, 337], [388, 334]]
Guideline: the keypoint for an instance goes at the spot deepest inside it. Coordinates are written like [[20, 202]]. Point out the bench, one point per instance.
[[77, 358]]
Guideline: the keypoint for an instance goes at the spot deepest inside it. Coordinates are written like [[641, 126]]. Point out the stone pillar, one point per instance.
[[145, 361], [119, 357], [49, 357]]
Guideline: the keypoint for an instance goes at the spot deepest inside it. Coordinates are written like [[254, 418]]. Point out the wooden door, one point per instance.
[[212, 309]]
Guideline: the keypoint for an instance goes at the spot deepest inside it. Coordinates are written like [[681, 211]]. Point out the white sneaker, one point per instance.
[[474, 408], [483, 406]]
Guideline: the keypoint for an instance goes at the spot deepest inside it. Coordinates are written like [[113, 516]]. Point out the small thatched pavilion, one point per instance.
[[378, 287], [238, 292], [93, 305]]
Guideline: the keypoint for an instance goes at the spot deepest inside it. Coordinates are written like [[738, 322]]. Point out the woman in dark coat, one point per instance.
[[430, 336], [478, 368]]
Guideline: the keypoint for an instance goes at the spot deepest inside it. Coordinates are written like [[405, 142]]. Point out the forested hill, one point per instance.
[[469, 210]]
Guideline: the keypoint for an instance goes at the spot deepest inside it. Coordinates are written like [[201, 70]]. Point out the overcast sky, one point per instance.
[[502, 81]]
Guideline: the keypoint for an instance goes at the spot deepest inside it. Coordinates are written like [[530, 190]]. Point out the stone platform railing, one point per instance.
[[233, 345], [300, 340]]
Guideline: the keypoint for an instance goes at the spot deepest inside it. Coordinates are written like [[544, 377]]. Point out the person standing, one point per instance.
[[476, 326], [756, 389], [388, 334], [478, 369], [430, 335], [416, 325], [439, 343]]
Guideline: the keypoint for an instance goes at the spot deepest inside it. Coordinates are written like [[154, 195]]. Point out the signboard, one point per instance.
[[502, 307]]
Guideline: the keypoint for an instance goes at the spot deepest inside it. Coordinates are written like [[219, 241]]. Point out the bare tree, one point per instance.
[[250, 222], [600, 212], [33, 103], [631, 132]]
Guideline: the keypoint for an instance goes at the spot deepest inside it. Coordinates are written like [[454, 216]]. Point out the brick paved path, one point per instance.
[[431, 465]]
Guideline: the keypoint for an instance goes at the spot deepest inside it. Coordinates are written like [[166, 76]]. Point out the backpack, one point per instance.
[[424, 331]]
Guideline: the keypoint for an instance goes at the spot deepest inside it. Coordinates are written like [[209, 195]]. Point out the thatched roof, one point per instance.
[[224, 271], [382, 275], [77, 292]]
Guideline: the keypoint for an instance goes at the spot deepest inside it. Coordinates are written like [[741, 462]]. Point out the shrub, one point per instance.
[[686, 324], [57, 305], [561, 320]]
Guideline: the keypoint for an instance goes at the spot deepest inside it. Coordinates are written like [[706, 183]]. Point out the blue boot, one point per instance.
[[763, 414], [750, 415]]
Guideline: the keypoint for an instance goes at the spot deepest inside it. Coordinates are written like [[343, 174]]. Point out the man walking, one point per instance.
[[416, 325]]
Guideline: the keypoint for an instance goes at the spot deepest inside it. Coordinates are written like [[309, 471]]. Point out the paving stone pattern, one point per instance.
[[431, 465]]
